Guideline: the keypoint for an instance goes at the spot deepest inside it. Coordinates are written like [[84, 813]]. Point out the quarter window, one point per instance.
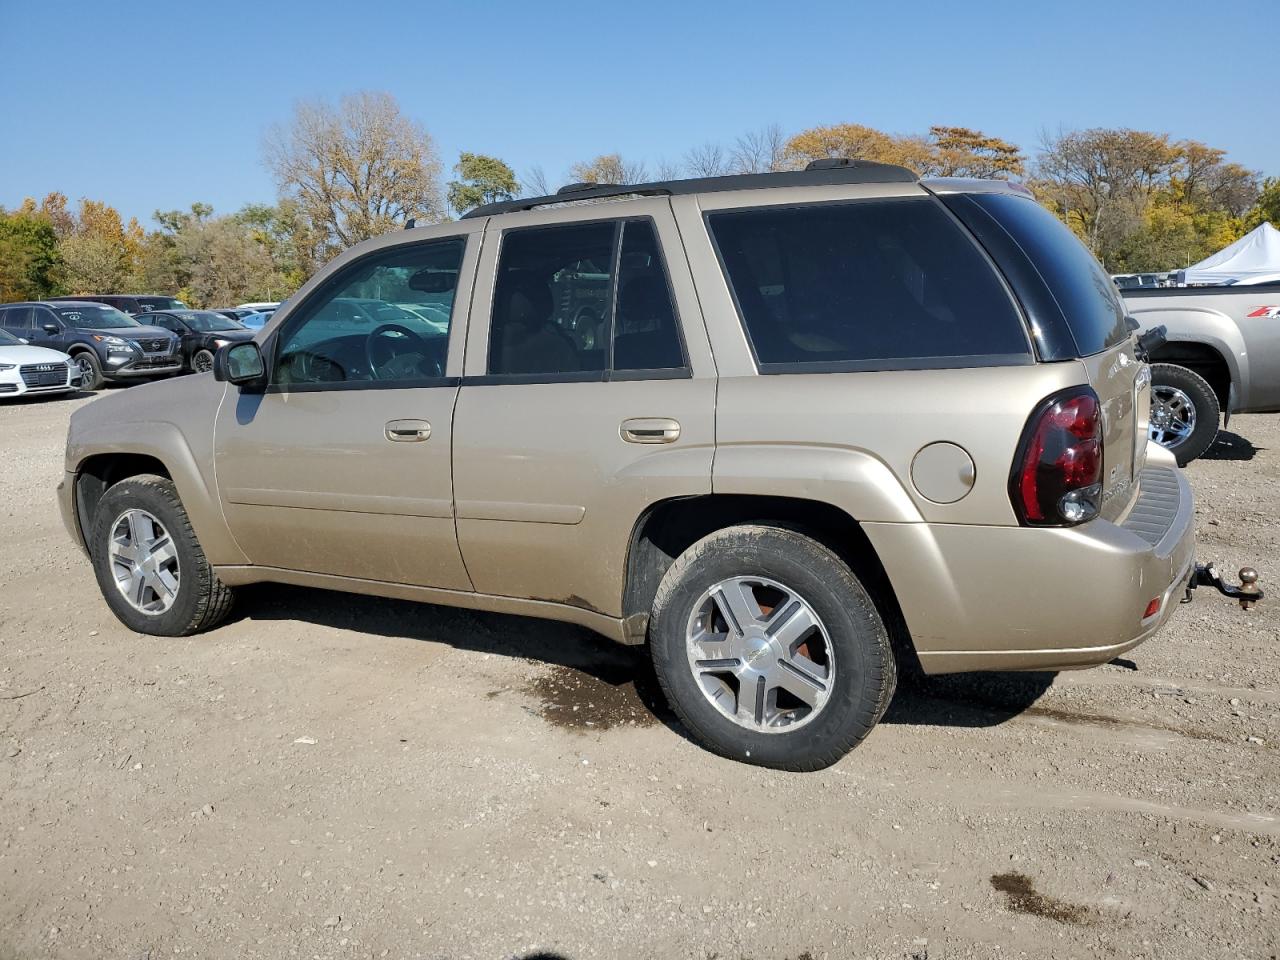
[[865, 285], [581, 300], [383, 320]]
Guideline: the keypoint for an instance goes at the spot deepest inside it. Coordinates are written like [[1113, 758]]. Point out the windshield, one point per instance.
[[7, 339], [207, 321], [95, 317]]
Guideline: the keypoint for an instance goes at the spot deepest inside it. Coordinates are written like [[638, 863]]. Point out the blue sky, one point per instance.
[[152, 105]]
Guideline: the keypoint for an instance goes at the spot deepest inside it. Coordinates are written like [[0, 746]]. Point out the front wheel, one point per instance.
[[90, 370], [1184, 411], [149, 564], [201, 361], [769, 649]]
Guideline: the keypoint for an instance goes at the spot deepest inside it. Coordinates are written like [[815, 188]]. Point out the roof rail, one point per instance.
[[830, 172]]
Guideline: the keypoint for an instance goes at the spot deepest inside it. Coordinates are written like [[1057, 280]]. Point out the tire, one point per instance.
[[200, 599], [1177, 392], [90, 370], [201, 361], [797, 572]]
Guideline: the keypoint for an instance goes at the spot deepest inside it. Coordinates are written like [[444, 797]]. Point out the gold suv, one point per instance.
[[785, 429]]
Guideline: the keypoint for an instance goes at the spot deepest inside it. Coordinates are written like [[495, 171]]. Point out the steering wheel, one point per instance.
[[430, 366]]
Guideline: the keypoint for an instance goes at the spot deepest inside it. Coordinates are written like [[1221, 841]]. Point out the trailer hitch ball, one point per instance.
[[1249, 590]]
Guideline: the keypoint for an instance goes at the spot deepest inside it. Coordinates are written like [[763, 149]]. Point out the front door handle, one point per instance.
[[650, 430], [407, 431]]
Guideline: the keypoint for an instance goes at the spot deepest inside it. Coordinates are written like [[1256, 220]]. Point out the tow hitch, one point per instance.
[[1206, 575]]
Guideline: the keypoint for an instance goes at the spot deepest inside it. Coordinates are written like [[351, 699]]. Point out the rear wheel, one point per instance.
[[769, 649], [149, 564], [90, 370], [1184, 411]]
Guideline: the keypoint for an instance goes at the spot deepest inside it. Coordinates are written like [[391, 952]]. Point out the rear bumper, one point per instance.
[[1017, 598]]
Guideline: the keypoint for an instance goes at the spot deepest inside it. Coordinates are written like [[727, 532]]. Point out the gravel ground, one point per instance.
[[336, 776]]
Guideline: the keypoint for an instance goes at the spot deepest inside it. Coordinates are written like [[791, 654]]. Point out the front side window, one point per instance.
[[580, 300], [165, 322], [207, 321], [384, 319], [864, 285]]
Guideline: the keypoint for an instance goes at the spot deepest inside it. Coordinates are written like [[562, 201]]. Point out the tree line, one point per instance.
[[344, 172]]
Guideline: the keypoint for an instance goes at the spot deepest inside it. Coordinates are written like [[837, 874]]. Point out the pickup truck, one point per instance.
[[1221, 356]]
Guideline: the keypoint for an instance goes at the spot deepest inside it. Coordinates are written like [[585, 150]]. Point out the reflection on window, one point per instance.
[[864, 283], [554, 303], [384, 319]]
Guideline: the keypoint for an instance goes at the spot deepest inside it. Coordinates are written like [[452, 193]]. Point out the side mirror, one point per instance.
[[51, 328], [24, 341], [241, 364]]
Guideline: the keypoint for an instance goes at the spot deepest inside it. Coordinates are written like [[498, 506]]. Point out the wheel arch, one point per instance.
[[154, 448], [668, 527], [1208, 360]]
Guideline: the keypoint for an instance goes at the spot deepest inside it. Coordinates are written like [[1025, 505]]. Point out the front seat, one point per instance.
[[530, 342]]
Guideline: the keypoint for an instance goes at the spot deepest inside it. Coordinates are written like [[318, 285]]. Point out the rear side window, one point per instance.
[[1089, 301], [580, 301], [865, 285], [17, 318]]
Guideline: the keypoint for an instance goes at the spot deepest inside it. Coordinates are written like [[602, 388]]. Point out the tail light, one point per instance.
[[1057, 475]]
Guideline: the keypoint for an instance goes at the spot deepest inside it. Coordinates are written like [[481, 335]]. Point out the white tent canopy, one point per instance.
[[1254, 254]]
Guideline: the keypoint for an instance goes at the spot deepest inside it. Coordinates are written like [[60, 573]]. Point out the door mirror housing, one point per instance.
[[51, 328], [241, 364]]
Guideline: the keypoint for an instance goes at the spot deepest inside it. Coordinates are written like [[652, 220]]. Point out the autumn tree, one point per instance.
[[963, 152], [608, 168], [481, 179], [859, 142], [357, 169], [1267, 207], [1142, 201], [28, 255]]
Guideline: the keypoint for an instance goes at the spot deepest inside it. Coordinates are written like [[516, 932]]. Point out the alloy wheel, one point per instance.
[[760, 654], [1173, 416], [144, 562]]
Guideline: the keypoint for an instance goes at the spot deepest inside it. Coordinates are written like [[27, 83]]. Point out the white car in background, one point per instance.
[[25, 369]]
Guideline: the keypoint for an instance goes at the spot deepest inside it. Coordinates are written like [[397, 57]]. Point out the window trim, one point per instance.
[[871, 365], [609, 374], [325, 289]]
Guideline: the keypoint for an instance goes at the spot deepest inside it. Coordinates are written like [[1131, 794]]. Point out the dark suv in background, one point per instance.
[[130, 303], [201, 333], [105, 343]]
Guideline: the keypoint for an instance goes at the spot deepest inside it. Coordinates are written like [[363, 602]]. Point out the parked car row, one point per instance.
[[101, 339]]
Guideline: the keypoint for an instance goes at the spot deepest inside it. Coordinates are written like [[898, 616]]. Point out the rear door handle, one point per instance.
[[650, 430], [407, 431]]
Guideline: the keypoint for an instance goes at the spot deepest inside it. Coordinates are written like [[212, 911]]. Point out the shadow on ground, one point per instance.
[[595, 684], [1230, 446]]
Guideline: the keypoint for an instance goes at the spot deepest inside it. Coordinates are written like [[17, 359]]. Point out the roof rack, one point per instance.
[[834, 171]]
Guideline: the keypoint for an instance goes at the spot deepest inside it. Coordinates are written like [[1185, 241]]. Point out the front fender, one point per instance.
[[172, 422]]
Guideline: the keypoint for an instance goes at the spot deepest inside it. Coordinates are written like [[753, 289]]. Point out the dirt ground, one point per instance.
[[336, 776]]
